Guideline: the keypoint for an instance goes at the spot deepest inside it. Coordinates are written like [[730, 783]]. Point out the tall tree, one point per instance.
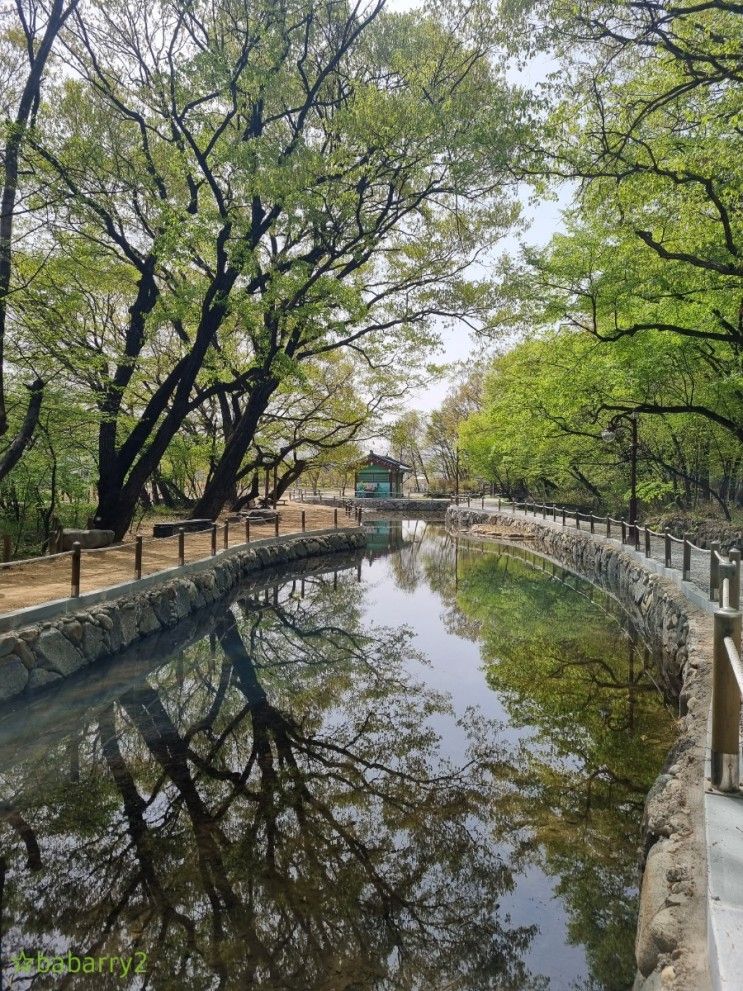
[[263, 184], [28, 39]]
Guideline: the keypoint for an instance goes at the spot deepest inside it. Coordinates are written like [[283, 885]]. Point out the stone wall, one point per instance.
[[38, 655], [671, 946]]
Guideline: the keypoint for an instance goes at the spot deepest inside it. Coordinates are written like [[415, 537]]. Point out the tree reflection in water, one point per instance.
[[269, 809], [595, 732]]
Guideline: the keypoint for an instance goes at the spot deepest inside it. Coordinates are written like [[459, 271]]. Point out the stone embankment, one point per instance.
[[671, 946], [33, 724], [41, 654]]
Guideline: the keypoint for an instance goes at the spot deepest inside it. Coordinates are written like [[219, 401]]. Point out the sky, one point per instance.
[[544, 220]]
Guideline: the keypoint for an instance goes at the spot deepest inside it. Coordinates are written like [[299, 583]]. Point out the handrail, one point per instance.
[[575, 518], [727, 677]]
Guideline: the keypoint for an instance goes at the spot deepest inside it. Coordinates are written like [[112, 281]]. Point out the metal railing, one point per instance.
[[42, 579], [727, 675], [696, 564]]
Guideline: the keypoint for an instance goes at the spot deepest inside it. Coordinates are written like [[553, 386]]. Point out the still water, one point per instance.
[[422, 769]]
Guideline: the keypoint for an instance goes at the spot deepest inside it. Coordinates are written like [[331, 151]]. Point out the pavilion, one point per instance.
[[379, 476]]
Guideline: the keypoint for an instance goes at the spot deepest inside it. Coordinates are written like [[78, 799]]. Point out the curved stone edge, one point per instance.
[[33, 724], [671, 942], [35, 656]]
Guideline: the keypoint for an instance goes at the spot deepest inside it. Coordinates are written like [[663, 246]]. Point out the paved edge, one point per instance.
[[672, 950]]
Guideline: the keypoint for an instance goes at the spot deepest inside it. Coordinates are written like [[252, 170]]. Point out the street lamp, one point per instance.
[[609, 435]]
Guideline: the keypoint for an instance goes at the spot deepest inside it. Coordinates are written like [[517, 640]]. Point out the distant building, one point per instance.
[[379, 476]]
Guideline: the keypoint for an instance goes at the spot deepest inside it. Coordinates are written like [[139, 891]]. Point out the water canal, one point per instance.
[[423, 770]]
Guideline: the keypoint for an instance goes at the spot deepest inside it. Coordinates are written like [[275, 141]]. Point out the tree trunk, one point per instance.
[[27, 104], [217, 492], [23, 438], [247, 497]]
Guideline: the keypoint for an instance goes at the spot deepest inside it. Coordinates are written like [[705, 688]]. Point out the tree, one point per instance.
[[547, 400], [406, 436], [640, 119], [301, 178], [25, 59]]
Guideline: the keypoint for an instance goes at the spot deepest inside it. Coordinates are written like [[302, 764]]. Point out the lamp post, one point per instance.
[[610, 435]]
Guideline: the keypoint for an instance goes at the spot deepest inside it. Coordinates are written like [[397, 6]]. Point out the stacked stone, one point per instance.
[[38, 655]]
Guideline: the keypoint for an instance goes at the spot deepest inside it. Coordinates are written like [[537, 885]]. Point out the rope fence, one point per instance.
[[34, 581]]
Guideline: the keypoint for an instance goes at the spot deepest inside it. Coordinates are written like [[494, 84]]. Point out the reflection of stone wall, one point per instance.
[[31, 725], [39, 655], [671, 946]]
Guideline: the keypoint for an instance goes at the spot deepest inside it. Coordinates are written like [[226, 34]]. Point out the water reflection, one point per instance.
[[270, 808], [594, 732], [277, 805]]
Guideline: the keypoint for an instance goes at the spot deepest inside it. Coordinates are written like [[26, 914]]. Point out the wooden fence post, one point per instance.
[[735, 579], [624, 532], [303, 521], [608, 526], [247, 531], [647, 542], [667, 549], [714, 569], [75, 578], [137, 557], [725, 702], [226, 534], [214, 539], [593, 524], [686, 573], [564, 518], [335, 518], [276, 526], [181, 546], [577, 520]]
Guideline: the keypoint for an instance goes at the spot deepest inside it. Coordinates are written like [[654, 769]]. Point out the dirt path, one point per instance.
[[40, 580]]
